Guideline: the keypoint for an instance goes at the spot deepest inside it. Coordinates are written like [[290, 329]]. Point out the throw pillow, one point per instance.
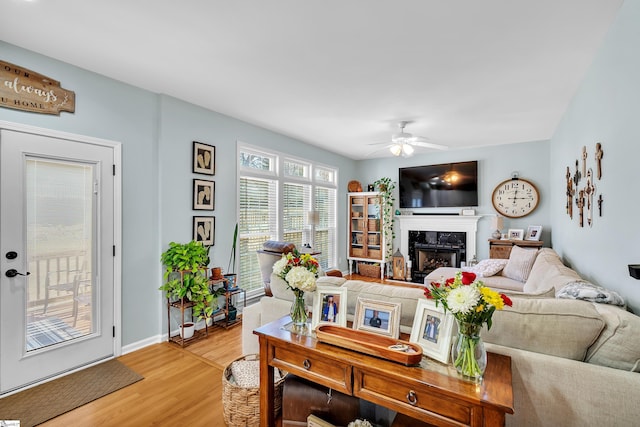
[[581, 289], [246, 373], [520, 263], [488, 267]]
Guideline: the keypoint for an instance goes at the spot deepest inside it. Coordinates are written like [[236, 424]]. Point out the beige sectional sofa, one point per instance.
[[574, 363], [547, 275]]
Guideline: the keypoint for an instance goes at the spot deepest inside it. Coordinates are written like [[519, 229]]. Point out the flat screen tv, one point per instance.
[[439, 186]]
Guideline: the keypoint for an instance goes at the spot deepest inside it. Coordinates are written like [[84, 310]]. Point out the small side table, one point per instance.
[[501, 249]]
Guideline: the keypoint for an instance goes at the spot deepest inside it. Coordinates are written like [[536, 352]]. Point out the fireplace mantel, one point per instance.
[[460, 223]]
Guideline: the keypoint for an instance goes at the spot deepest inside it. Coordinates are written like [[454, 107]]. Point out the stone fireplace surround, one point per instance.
[[443, 223]]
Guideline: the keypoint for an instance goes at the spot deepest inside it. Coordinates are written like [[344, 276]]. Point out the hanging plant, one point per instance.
[[385, 187]]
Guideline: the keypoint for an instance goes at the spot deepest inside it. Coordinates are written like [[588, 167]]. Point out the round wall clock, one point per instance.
[[515, 198]]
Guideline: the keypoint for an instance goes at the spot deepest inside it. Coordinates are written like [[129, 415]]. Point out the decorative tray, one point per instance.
[[370, 343]]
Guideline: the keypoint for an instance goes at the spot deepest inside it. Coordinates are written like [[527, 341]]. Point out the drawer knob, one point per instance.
[[306, 364], [412, 398]]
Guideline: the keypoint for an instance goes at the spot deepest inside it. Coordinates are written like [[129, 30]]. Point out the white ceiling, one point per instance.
[[337, 73]]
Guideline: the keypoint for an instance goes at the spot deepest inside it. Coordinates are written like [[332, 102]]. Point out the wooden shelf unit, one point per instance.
[[366, 237]]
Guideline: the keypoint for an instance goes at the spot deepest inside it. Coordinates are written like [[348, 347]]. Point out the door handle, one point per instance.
[[13, 273]]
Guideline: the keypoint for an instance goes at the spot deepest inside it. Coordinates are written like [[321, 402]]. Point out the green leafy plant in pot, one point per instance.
[[186, 276]]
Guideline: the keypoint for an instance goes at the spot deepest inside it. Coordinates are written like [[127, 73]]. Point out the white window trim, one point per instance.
[[278, 174]]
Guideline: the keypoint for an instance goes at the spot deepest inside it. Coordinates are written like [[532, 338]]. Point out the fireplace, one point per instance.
[[429, 250], [447, 240]]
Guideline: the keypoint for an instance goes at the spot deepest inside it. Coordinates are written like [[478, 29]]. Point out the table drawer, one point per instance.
[[422, 401], [330, 373]]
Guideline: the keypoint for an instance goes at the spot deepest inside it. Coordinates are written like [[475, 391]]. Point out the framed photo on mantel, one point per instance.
[[534, 232], [516, 234]]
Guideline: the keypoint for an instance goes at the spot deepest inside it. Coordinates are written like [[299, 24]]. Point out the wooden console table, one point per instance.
[[501, 249], [431, 392]]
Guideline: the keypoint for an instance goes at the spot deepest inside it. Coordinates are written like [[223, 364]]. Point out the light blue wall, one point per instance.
[[112, 110], [495, 164], [156, 133], [605, 109], [182, 123]]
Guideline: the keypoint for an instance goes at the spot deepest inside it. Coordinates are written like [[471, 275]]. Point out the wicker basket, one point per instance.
[[369, 270], [241, 405], [373, 239]]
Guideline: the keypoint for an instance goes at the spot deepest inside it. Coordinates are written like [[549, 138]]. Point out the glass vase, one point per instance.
[[299, 313], [469, 355]]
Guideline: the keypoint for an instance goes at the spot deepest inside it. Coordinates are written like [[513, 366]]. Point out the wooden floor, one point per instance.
[[181, 387]]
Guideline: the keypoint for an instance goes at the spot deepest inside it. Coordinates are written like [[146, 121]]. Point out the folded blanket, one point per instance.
[[587, 291]]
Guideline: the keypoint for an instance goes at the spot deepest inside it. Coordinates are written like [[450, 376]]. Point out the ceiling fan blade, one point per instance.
[[429, 145], [378, 150], [380, 143]]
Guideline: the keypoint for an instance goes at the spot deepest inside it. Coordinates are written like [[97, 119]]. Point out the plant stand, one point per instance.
[[183, 305], [228, 295]]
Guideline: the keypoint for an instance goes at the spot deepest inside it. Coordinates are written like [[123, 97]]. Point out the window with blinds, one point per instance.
[[279, 199]]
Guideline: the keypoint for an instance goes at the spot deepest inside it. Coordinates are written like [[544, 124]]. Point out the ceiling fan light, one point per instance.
[[407, 149], [401, 137], [396, 149]]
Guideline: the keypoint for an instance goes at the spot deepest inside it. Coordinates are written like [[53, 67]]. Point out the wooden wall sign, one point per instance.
[[25, 90]]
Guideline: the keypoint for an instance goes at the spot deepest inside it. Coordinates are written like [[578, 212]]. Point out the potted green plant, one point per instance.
[[186, 276], [385, 187]]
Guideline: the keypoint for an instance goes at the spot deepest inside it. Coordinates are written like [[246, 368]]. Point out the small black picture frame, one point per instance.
[[204, 158], [204, 230], [204, 194]]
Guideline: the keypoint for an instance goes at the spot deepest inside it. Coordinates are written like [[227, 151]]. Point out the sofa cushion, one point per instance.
[[618, 345], [488, 267], [502, 283], [406, 296], [497, 282], [520, 263], [548, 273], [587, 291], [563, 328], [330, 280]]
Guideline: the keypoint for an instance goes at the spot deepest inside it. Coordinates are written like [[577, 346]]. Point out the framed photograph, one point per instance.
[[432, 330], [380, 317], [329, 306], [203, 194], [534, 232], [516, 234], [204, 229], [204, 158]]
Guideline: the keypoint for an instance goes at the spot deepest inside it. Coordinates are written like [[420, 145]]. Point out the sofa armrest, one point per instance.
[[255, 315], [552, 391]]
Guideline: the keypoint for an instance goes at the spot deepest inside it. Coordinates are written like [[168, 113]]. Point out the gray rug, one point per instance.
[[41, 403]]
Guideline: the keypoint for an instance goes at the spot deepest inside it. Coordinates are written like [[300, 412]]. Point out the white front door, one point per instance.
[[56, 256]]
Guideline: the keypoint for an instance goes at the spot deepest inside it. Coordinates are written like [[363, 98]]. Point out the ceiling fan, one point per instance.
[[403, 143]]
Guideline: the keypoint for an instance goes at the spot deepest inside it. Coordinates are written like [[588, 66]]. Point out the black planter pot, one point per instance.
[[232, 313]]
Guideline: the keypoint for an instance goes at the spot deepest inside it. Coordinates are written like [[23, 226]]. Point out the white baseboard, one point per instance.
[[143, 343]]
